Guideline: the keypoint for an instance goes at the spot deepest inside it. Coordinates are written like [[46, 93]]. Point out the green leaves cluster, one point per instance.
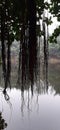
[[56, 33], [16, 14], [55, 8]]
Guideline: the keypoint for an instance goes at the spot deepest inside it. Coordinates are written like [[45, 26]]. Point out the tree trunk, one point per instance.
[[32, 36], [2, 41]]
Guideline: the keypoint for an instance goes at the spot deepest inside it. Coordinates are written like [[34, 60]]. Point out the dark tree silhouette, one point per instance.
[[32, 36], [3, 39], [18, 20], [3, 124]]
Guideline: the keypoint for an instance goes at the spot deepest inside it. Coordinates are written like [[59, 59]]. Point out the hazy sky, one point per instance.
[[53, 25]]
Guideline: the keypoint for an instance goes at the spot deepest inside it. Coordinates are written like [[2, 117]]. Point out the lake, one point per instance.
[[24, 111], [31, 108]]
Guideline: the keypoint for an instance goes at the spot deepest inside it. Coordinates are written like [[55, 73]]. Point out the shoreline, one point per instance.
[[54, 60]]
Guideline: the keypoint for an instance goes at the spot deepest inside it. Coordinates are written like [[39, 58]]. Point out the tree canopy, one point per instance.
[[17, 12]]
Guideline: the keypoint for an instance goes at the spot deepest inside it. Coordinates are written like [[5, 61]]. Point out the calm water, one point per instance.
[[24, 111]]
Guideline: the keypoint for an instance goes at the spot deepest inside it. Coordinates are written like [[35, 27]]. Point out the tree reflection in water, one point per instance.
[[28, 72], [28, 75], [29, 81], [3, 124], [6, 96]]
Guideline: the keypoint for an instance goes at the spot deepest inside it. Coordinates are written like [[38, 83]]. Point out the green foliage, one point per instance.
[[55, 8], [48, 21], [58, 18], [47, 5], [54, 36], [16, 14]]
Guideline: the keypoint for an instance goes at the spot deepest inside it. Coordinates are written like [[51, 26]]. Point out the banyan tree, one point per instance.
[[25, 21]]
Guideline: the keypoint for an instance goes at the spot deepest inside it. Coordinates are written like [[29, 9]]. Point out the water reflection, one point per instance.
[[31, 111], [32, 102], [6, 96], [54, 75], [3, 124], [31, 105]]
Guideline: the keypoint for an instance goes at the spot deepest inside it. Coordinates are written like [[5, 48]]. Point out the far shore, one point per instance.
[[54, 60]]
